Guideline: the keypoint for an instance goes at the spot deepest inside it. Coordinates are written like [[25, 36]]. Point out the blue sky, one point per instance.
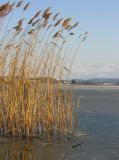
[[99, 55]]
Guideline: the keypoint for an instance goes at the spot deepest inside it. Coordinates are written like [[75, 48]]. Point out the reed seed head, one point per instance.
[[55, 16], [58, 22], [57, 34], [75, 25], [26, 6], [66, 22], [19, 4], [5, 9]]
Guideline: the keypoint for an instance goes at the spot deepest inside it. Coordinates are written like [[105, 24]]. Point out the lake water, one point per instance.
[[98, 119]]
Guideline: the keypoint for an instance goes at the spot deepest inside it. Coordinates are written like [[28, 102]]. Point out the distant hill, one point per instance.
[[111, 81]]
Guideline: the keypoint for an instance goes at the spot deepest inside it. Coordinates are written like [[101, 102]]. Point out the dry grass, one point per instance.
[[32, 58]]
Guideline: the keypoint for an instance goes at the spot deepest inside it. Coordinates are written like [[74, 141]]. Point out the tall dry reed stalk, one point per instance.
[[32, 63]]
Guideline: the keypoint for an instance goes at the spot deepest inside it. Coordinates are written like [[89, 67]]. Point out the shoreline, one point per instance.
[[90, 86]]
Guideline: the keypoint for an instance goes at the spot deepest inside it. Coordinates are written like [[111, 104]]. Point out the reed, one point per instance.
[[32, 63]]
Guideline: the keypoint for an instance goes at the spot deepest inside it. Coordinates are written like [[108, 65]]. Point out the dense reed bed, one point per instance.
[[35, 54]]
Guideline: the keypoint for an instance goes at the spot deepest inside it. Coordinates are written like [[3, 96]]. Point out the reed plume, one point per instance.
[[55, 16], [58, 22], [66, 22], [19, 4], [5, 9], [26, 6]]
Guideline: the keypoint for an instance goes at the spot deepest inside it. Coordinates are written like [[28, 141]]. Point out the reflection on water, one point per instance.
[[33, 150], [15, 152]]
